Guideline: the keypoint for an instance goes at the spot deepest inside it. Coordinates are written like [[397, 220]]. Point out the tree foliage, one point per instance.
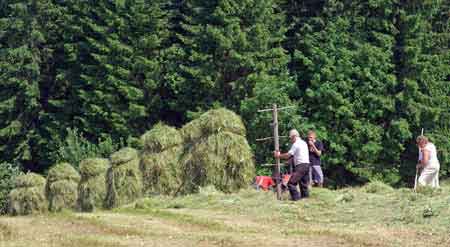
[[366, 75]]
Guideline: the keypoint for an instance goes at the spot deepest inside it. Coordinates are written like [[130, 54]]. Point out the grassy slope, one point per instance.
[[348, 217]]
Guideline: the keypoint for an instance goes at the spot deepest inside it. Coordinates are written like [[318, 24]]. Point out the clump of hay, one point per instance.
[[124, 179], [29, 180], [92, 186], [213, 122], [28, 197], [160, 160], [162, 171], [160, 138], [223, 160], [377, 187], [123, 156], [428, 190], [345, 197], [61, 188]]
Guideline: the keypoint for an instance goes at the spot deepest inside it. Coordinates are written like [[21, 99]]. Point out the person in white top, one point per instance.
[[300, 153], [428, 162]]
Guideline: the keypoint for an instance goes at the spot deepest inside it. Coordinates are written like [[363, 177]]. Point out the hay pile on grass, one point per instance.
[[28, 197], [61, 187], [124, 179], [160, 160], [377, 187], [92, 186], [216, 153], [213, 122]]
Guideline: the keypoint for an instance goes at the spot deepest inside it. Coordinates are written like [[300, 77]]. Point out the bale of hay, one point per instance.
[[213, 122], [224, 160], [29, 195], [160, 138], [92, 186], [124, 178], [61, 187], [162, 171]]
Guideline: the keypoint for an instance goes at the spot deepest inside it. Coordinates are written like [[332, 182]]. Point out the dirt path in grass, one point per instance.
[[183, 227]]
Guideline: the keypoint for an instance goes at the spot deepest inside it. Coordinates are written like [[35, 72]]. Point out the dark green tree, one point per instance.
[[115, 70], [342, 58], [423, 70], [28, 41]]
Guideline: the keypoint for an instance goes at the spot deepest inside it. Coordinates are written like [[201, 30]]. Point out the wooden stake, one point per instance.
[[276, 143], [277, 148]]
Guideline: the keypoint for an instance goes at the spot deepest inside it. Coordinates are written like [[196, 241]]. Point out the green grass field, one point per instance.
[[373, 215]]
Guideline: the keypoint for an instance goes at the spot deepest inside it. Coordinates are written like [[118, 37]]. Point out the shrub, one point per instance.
[[75, 148], [8, 174]]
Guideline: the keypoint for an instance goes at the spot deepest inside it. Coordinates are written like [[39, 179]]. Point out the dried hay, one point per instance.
[[62, 195], [61, 187], [28, 197], [162, 171], [93, 167], [124, 179], [377, 187], [29, 180], [160, 138], [92, 187], [213, 122], [122, 156], [62, 171], [224, 160]]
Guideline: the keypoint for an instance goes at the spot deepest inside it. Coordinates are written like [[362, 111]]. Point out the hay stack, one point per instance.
[[216, 153], [124, 179], [160, 163], [28, 197], [92, 186], [160, 138], [61, 188], [213, 122]]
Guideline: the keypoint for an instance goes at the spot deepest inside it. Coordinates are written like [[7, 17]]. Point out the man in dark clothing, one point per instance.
[[315, 151]]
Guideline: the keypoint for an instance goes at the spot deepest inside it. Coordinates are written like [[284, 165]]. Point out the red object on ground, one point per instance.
[[264, 182], [286, 178]]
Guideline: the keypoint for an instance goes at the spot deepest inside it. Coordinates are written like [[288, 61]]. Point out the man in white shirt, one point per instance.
[[300, 153]]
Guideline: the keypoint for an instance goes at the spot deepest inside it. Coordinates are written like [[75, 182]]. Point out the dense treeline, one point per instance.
[[367, 75]]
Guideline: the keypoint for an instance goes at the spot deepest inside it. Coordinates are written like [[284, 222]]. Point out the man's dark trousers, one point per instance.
[[300, 175]]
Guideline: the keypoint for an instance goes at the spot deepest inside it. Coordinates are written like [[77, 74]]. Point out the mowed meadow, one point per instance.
[[372, 215]]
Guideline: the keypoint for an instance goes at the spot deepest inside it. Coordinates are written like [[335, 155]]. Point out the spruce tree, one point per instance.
[[341, 56], [423, 66], [117, 48], [28, 40], [229, 53]]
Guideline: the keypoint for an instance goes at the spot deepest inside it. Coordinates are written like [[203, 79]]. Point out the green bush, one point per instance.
[[75, 148], [8, 173]]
